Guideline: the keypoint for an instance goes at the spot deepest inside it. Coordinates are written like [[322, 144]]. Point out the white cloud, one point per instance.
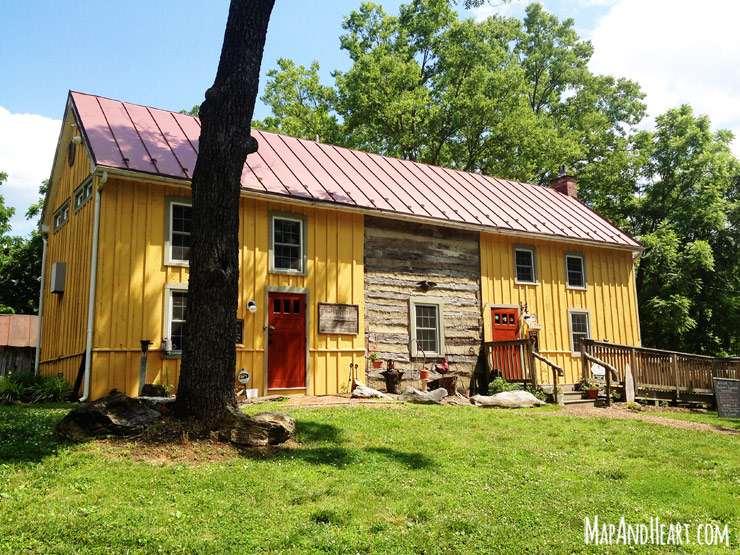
[[27, 144], [679, 51]]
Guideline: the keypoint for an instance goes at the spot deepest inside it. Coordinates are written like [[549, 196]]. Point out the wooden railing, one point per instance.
[[661, 371], [515, 361]]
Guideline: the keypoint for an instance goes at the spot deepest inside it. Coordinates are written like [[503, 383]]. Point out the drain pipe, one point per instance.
[[93, 277], [41, 306]]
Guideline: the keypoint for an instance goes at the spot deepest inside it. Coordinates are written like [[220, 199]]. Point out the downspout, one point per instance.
[[41, 306], [93, 277]]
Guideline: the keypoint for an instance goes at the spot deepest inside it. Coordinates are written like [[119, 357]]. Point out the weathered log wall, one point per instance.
[[18, 360], [398, 255]]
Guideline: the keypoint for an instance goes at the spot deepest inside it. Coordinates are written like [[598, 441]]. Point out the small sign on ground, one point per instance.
[[727, 394]]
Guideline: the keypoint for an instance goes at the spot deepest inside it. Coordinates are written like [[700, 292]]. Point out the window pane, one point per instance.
[[239, 330], [578, 329], [426, 328], [287, 257], [179, 315], [287, 247], [287, 232], [296, 306], [181, 218], [276, 306], [524, 265], [286, 306], [427, 340], [575, 271]]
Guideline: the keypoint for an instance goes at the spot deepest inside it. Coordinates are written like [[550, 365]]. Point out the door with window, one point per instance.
[[286, 338], [507, 359]]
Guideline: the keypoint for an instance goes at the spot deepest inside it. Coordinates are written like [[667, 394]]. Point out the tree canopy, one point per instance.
[[516, 99]]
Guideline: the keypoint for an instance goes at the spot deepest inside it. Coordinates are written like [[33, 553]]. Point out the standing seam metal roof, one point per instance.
[[138, 138]]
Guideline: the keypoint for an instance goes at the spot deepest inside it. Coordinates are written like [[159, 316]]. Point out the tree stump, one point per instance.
[[392, 380]]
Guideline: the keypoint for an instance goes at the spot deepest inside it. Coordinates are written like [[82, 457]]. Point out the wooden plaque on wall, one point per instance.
[[343, 319]]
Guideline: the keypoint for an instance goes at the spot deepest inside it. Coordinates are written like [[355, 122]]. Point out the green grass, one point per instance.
[[410, 480]]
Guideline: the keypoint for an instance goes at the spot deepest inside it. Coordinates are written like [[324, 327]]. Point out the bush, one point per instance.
[[29, 388], [499, 385]]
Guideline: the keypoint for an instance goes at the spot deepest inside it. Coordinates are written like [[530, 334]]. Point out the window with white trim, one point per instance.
[[177, 233], [525, 264], [580, 328], [178, 308], [426, 326], [288, 243], [61, 216], [575, 270], [83, 193]]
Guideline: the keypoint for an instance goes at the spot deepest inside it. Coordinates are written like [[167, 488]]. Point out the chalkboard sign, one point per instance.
[[727, 394]]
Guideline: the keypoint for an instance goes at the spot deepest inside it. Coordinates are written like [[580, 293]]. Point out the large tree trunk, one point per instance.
[[206, 385]]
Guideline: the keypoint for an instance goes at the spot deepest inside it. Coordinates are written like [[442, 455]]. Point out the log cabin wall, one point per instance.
[[399, 255]]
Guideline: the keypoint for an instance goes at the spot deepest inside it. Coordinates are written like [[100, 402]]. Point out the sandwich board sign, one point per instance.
[[727, 395]]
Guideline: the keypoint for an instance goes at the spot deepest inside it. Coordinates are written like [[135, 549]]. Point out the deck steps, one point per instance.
[[571, 397]]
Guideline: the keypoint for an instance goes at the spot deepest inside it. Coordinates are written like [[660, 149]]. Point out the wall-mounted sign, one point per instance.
[[534, 336], [243, 376], [341, 319], [534, 326], [727, 395]]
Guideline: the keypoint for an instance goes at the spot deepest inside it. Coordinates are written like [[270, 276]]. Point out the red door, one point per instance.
[[286, 338], [506, 358]]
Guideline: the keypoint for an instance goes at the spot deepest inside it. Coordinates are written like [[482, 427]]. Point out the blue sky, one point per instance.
[[164, 53]]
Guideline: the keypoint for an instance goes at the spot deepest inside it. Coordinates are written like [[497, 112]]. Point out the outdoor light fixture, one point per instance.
[[252, 306]]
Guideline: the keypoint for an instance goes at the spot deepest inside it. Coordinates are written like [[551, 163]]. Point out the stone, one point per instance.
[[114, 415], [413, 395], [508, 400], [365, 392], [153, 390], [264, 428], [549, 391], [629, 385], [267, 399]]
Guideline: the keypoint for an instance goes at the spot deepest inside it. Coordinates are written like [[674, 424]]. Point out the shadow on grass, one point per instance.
[[314, 432], [413, 461], [27, 432]]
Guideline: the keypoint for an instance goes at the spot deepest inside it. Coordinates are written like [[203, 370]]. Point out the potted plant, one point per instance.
[[374, 358], [591, 389]]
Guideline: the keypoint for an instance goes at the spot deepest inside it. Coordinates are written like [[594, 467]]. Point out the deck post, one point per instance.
[[530, 362], [675, 374], [608, 373], [633, 363]]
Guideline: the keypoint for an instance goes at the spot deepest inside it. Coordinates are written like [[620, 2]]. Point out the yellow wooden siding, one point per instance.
[[64, 321], [132, 278], [609, 297]]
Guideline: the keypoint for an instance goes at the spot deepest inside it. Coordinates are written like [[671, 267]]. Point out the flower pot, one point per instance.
[[423, 374], [592, 393], [377, 363]]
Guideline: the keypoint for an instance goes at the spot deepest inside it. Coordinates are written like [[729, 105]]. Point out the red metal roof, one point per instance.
[[142, 139], [18, 330]]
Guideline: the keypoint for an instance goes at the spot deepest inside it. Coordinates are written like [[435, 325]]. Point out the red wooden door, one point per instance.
[[507, 359], [286, 337]]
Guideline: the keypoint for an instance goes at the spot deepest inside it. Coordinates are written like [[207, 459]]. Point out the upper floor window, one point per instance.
[[580, 328], [525, 264], [177, 232], [61, 216], [288, 243], [575, 270], [426, 326], [83, 193]]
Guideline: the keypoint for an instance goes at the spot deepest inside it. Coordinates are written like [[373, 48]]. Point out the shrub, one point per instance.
[[499, 385], [30, 388]]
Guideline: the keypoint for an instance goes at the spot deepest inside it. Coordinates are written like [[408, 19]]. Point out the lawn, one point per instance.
[[387, 480]]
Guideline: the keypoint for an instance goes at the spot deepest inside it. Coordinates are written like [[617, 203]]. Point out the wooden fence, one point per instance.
[[681, 375]]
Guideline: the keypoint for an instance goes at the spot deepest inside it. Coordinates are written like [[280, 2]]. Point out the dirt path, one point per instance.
[[582, 411]]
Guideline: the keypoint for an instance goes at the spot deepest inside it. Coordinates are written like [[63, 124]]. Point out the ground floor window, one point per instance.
[[426, 326], [580, 328], [176, 305]]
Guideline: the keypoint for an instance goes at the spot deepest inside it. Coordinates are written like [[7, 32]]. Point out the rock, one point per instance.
[[264, 428], [413, 395], [268, 399], [153, 390], [549, 391], [114, 415], [365, 392], [508, 400]]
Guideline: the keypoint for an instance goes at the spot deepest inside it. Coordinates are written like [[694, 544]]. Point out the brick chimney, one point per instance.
[[564, 183]]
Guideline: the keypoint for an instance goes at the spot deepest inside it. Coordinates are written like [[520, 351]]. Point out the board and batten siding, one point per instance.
[[399, 255], [609, 296], [132, 276], [64, 321]]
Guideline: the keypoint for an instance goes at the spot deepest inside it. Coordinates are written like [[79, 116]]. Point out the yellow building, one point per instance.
[[339, 251]]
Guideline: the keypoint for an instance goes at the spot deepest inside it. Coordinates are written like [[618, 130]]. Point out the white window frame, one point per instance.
[[169, 289], [83, 193], [168, 259], [575, 351], [533, 251], [582, 258], [301, 218], [61, 216], [426, 301]]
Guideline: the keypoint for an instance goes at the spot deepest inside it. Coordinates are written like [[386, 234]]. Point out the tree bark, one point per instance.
[[206, 385]]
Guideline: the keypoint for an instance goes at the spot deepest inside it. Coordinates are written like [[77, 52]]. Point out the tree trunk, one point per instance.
[[206, 385]]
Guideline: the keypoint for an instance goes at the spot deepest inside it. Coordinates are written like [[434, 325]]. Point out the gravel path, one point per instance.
[[583, 411]]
